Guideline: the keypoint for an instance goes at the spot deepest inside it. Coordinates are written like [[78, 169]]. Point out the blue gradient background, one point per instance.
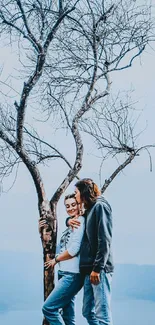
[[131, 195]]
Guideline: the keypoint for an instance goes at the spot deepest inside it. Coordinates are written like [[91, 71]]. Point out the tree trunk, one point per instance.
[[48, 236]]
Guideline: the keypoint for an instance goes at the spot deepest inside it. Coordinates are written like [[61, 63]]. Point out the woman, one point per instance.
[[96, 261], [70, 280]]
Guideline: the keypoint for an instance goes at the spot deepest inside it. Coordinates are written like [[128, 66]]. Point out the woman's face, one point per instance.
[[71, 207], [78, 196]]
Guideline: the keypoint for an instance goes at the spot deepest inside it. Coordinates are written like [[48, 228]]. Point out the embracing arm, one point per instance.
[[72, 222]]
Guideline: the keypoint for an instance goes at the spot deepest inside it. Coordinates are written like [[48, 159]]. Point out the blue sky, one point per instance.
[[131, 194]]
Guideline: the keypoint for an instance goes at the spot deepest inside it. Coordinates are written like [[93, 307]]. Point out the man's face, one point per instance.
[[71, 207], [77, 195]]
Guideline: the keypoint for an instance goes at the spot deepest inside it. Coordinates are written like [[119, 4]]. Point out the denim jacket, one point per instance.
[[96, 253]]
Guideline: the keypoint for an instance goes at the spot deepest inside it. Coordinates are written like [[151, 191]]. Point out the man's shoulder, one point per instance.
[[103, 203]]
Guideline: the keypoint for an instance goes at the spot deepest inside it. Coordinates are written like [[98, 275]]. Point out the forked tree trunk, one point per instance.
[[48, 212]]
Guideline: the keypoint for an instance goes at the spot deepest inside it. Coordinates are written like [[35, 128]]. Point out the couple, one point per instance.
[[85, 259]]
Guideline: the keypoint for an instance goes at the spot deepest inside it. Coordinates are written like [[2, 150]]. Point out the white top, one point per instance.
[[71, 241]]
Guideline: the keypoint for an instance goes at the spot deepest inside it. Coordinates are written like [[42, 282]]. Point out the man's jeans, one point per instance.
[[96, 300], [63, 296]]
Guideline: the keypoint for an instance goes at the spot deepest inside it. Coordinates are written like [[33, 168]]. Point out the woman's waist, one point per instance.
[[71, 265]]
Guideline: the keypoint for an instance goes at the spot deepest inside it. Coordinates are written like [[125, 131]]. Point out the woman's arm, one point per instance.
[[58, 258], [73, 249]]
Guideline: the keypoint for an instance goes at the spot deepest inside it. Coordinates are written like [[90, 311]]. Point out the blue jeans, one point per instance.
[[63, 296], [96, 300]]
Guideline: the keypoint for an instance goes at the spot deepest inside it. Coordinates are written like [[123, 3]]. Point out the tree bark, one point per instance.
[[47, 212]]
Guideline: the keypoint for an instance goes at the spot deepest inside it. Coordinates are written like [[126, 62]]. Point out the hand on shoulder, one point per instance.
[[74, 222]]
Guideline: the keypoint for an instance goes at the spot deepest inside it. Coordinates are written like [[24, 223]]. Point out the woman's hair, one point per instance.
[[89, 191], [69, 196]]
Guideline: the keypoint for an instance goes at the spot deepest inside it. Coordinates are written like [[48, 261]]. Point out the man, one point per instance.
[[96, 262]]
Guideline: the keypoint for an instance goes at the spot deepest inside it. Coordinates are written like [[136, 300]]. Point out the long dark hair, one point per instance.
[[89, 191]]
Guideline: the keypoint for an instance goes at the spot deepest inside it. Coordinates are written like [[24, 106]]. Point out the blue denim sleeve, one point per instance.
[[75, 245]]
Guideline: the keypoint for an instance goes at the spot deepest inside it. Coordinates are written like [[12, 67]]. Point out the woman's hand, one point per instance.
[[50, 263], [42, 224]]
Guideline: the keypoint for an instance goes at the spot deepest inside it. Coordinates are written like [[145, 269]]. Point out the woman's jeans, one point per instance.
[[62, 297], [96, 300]]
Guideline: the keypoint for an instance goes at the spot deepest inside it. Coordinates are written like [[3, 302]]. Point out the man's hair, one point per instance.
[[89, 191], [48, 229], [69, 196]]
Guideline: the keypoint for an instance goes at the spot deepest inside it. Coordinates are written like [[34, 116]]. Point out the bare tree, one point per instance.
[[66, 53], [113, 128]]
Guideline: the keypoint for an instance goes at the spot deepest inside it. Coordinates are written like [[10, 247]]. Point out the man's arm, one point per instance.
[[72, 222], [104, 233]]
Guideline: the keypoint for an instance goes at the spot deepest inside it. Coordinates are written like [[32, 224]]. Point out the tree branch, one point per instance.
[[131, 61], [31, 36], [19, 30], [27, 88], [76, 134], [29, 164], [51, 147], [118, 170], [55, 27]]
